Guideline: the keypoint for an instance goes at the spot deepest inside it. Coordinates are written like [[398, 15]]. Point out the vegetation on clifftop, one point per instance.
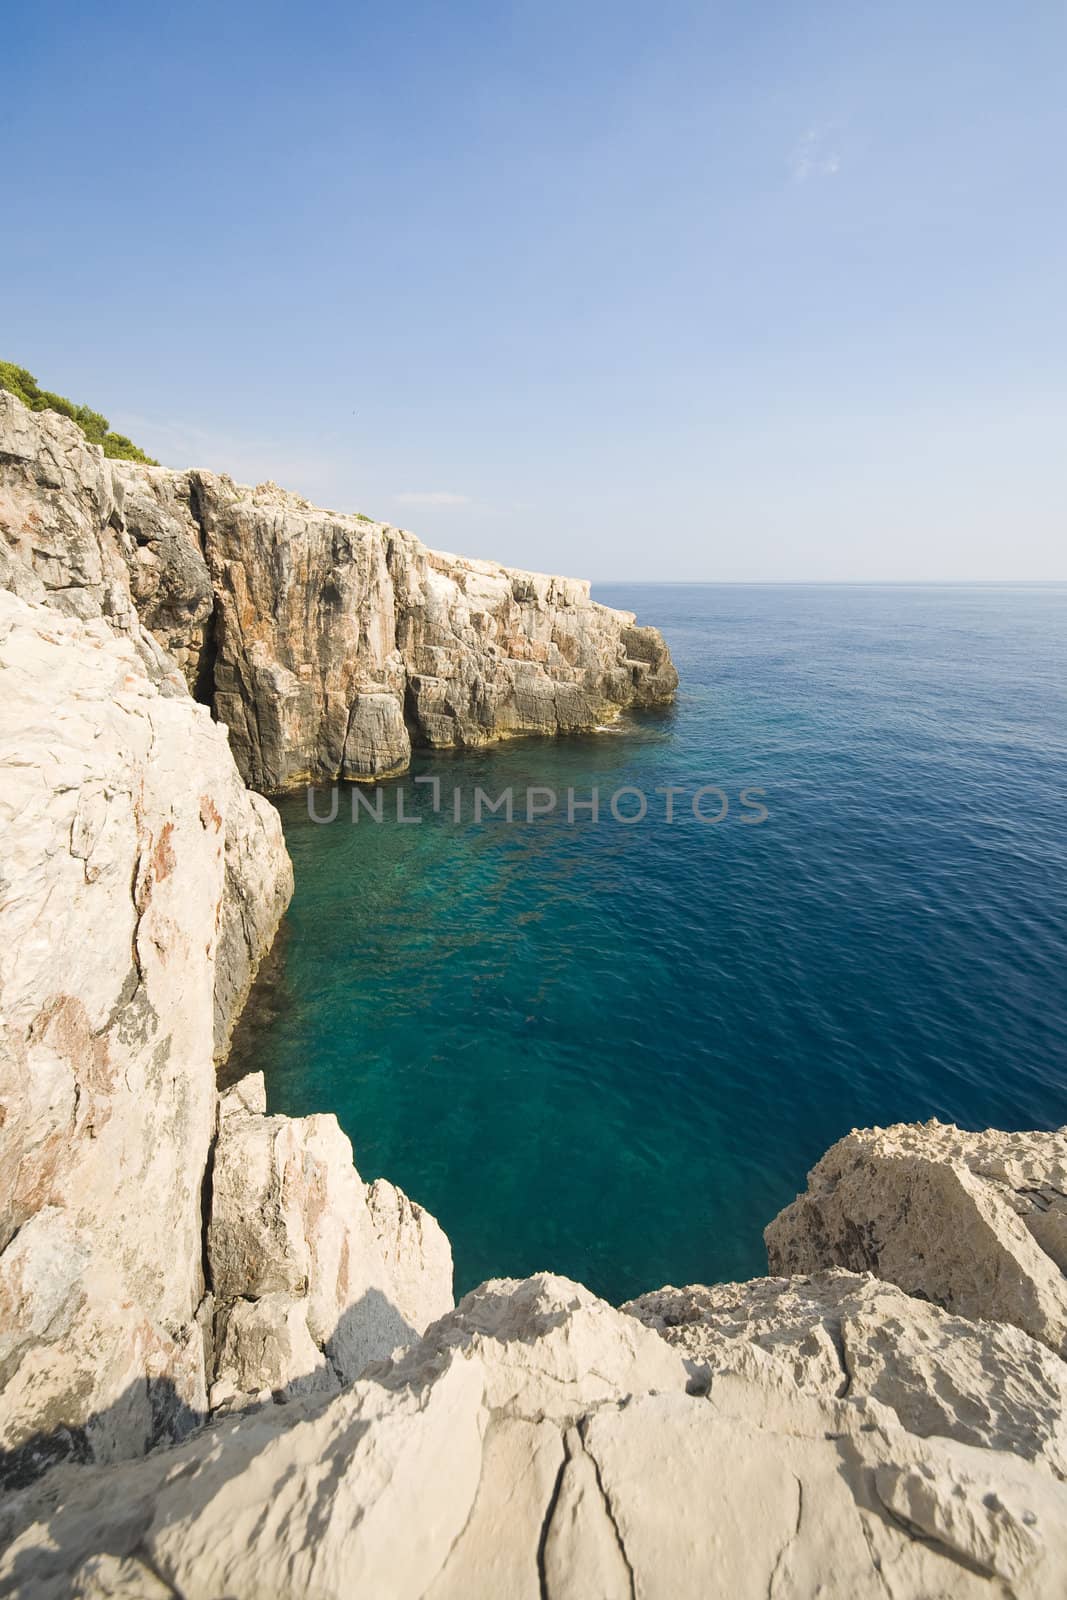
[[95, 427]]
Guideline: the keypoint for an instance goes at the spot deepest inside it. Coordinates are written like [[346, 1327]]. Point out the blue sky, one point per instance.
[[712, 292]]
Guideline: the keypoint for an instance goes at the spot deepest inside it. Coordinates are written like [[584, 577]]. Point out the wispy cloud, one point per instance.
[[431, 497], [814, 155]]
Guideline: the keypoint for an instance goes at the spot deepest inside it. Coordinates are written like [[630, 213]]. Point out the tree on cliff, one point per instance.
[[95, 427]]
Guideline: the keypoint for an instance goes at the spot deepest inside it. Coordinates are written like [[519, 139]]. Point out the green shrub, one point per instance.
[[95, 427]]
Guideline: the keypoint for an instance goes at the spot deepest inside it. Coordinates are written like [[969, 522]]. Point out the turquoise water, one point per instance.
[[615, 1050]]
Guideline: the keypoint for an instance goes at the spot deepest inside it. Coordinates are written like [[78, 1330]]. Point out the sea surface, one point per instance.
[[614, 1049]]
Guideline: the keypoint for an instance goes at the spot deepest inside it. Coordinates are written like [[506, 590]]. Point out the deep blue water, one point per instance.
[[616, 1050]]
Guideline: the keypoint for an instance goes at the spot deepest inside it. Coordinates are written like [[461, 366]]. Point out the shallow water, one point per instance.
[[614, 1050]]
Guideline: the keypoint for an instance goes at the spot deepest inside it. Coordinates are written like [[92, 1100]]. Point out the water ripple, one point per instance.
[[617, 1050]]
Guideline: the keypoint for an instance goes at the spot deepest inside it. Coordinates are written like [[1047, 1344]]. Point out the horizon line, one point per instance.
[[840, 583]]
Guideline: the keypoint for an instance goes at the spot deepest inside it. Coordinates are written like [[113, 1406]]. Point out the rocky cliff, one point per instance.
[[338, 642], [327, 644], [228, 1366], [142, 883]]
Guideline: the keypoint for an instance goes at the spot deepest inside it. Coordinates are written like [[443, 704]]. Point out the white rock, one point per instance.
[[116, 801], [264, 1345], [454, 1473], [584, 1553], [960, 1218], [105, 1577], [499, 1551], [416, 1252], [967, 1517], [839, 1333], [346, 1498], [550, 1342], [246, 1097], [292, 1230]]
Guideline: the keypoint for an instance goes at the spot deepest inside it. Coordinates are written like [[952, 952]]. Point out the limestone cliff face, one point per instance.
[[60, 529], [339, 642], [141, 884], [160, 541], [117, 805], [66, 544], [327, 644]]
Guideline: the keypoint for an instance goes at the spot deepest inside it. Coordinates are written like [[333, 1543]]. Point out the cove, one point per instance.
[[615, 1050]]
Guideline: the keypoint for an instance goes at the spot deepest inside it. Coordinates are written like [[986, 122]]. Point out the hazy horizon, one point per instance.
[[704, 295]]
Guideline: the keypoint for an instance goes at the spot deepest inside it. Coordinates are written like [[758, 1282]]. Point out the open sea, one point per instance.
[[614, 1049]]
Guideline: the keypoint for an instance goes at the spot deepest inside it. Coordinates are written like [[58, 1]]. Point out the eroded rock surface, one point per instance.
[[327, 643], [59, 530], [158, 535], [973, 1221], [314, 1275], [416, 1253], [539, 1443], [339, 640], [117, 802], [838, 1334]]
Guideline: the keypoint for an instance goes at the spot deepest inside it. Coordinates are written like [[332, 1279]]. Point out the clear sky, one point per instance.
[[678, 291]]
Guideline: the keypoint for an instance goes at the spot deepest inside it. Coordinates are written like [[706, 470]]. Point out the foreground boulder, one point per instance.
[[539, 1443], [974, 1221], [314, 1275], [415, 1252]]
